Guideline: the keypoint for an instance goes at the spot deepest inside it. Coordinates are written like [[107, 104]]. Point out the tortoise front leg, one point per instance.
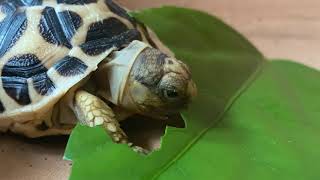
[[92, 111]]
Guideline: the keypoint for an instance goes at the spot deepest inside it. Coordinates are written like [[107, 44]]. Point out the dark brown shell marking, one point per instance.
[[98, 46], [25, 2], [107, 28], [70, 66], [59, 28], [12, 27], [15, 75]]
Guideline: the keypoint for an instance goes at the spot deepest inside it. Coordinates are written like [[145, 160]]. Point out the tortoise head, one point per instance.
[[158, 85]]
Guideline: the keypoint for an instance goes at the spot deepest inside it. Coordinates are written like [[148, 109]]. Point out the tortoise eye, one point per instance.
[[171, 94]]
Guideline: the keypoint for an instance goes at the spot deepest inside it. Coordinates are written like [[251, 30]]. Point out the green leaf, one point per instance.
[[271, 132], [263, 135]]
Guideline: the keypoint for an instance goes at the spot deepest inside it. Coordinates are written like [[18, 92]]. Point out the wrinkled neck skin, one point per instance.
[[113, 75]]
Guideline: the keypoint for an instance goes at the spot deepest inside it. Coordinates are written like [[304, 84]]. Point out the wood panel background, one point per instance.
[[279, 28]]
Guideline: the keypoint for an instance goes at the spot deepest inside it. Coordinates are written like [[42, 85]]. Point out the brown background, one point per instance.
[[279, 28]]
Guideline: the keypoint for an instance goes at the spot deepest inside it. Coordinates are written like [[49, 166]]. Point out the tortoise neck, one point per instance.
[[114, 72]]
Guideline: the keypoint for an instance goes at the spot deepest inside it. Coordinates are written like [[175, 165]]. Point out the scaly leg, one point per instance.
[[92, 111]]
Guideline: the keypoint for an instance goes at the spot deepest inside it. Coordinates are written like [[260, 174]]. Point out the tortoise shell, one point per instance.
[[47, 47]]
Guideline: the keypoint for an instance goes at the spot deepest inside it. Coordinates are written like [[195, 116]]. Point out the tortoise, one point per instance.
[[87, 61]]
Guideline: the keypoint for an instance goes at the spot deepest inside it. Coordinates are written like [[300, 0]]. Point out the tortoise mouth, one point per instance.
[[147, 132]]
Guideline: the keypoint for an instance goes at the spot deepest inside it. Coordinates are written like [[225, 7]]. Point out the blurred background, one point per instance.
[[279, 28]]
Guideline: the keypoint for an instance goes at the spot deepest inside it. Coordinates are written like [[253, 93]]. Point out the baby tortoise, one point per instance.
[[65, 61]]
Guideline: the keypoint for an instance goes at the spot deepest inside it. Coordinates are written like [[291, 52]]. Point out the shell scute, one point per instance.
[[96, 47], [12, 27], [17, 89], [115, 8], [70, 66], [15, 75], [19, 3], [71, 22], [43, 84], [51, 29], [105, 29]]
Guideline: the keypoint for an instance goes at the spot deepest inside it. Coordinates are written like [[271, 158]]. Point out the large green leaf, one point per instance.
[[241, 146], [271, 132]]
